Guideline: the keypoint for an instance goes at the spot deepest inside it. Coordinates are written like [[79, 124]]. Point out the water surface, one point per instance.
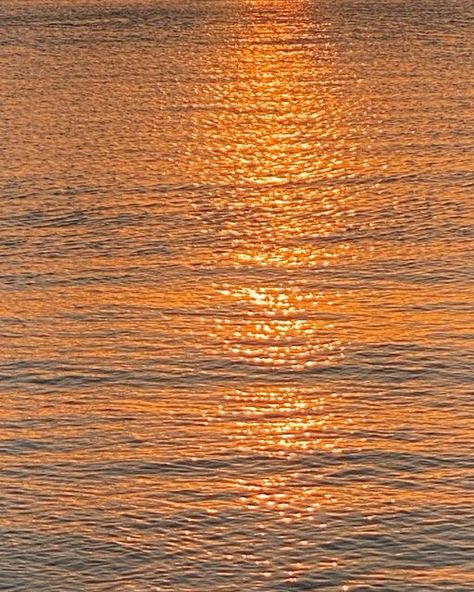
[[236, 299]]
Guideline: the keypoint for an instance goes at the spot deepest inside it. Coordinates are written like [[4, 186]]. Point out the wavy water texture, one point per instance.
[[236, 297]]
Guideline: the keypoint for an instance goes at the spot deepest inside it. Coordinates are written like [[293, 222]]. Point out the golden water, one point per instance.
[[236, 300]]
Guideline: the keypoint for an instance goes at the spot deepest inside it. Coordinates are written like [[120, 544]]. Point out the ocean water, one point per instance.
[[236, 295]]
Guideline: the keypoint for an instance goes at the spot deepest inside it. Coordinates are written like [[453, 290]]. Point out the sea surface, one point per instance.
[[236, 295]]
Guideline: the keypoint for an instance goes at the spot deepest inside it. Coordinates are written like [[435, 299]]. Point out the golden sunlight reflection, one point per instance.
[[287, 211], [310, 444], [293, 424], [283, 327], [288, 423], [285, 217]]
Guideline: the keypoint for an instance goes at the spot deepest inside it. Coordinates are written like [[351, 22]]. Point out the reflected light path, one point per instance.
[[286, 224]]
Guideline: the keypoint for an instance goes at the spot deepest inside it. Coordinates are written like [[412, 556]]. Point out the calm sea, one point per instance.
[[236, 295]]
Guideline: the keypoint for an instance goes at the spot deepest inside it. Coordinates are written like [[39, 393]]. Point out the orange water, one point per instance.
[[236, 299]]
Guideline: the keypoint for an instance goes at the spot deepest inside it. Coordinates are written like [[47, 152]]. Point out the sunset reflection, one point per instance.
[[285, 322], [283, 327], [236, 296]]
